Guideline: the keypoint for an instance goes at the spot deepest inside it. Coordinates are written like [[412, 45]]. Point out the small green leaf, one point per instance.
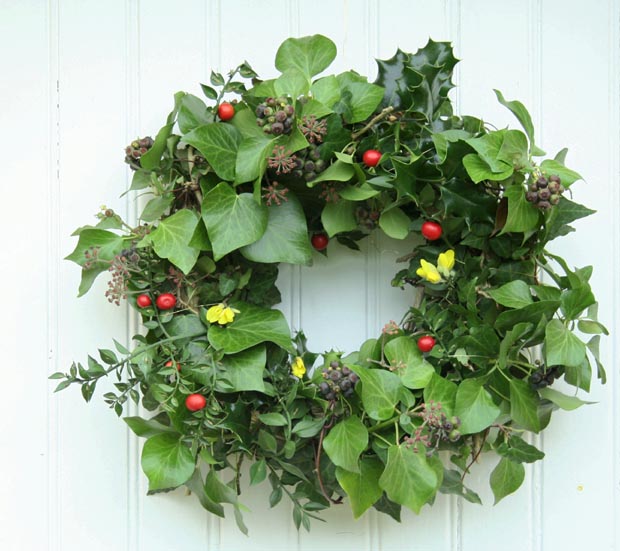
[[515, 294], [273, 419], [258, 472], [146, 428], [506, 478], [380, 391], [562, 346], [218, 142], [252, 326], [406, 359], [362, 487], [518, 450], [336, 172], [309, 54], [441, 390], [166, 461], [568, 176], [150, 160], [563, 401], [474, 406], [245, 369], [339, 217], [345, 442], [395, 223], [408, 479], [524, 404], [522, 215], [172, 237], [232, 220]]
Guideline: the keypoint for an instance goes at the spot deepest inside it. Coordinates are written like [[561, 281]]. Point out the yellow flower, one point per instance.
[[222, 314], [298, 368], [428, 271], [445, 262]]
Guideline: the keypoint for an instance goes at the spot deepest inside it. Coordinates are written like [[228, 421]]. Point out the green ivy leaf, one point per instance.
[[562, 214], [514, 150], [252, 158], [474, 406], [172, 237], [518, 450], [145, 428], [452, 484], [408, 479], [562, 346], [192, 113], [563, 401], [286, 236], [568, 176], [166, 461], [406, 359], [380, 391], [150, 160], [395, 223], [309, 54], [515, 294], [506, 478], [523, 116], [522, 215], [232, 220], [362, 487], [292, 82], [532, 313], [252, 326], [245, 369], [326, 90], [336, 172], [218, 142], [441, 390], [358, 99], [524, 404], [339, 217], [345, 442]]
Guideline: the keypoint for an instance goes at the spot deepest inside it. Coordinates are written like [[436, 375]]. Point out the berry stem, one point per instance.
[[384, 113]]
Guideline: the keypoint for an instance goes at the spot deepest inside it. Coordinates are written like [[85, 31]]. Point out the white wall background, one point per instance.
[[80, 78]]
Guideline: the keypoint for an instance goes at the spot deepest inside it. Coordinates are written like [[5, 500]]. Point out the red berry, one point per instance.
[[169, 364], [143, 301], [225, 111], [195, 402], [320, 241], [371, 157], [166, 301], [426, 343], [431, 230]]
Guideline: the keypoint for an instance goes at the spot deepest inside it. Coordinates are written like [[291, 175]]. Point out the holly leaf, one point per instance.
[[218, 142], [474, 406], [244, 370], [408, 479], [462, 198], [398, 79], [172, 237], [309, 54], [166, 461], [232, 220], [252, 326], [380, 391], [362, 487], [286, 236], [408, 363], [506, 478], [345, 442]]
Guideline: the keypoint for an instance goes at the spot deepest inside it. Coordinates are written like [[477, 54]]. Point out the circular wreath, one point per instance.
[[237, 187]]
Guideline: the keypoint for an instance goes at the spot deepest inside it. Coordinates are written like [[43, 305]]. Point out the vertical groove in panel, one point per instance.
[[292, 9], [373, 248], [614, 179], [536, 105], [213, 61], [132, 130], [53, 519], [452, 10]]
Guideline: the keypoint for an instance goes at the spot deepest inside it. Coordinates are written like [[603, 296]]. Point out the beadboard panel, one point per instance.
[[82, 78]]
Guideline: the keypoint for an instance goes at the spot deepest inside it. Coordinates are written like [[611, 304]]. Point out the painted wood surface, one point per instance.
[[81, 78]]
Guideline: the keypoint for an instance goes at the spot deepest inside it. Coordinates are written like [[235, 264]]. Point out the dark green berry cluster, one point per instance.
[[367, 218], [338, 379], [135, 150], [276, 116], [308, 163], [545, 192], [436, 427], [544, 377]]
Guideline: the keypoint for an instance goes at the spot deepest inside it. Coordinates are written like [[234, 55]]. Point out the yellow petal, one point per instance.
[[214, 313], [298, 368], [227, 316], [428, 271], [446, 260]]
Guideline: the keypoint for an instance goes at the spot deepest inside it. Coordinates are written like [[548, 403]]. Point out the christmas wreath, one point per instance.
[[236, 187]]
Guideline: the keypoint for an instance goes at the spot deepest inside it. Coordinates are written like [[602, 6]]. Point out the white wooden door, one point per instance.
[[81, 78]]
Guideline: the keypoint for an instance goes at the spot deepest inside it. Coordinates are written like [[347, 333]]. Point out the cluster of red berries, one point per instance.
[[338, 379], [545, 192], [165, 301]]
